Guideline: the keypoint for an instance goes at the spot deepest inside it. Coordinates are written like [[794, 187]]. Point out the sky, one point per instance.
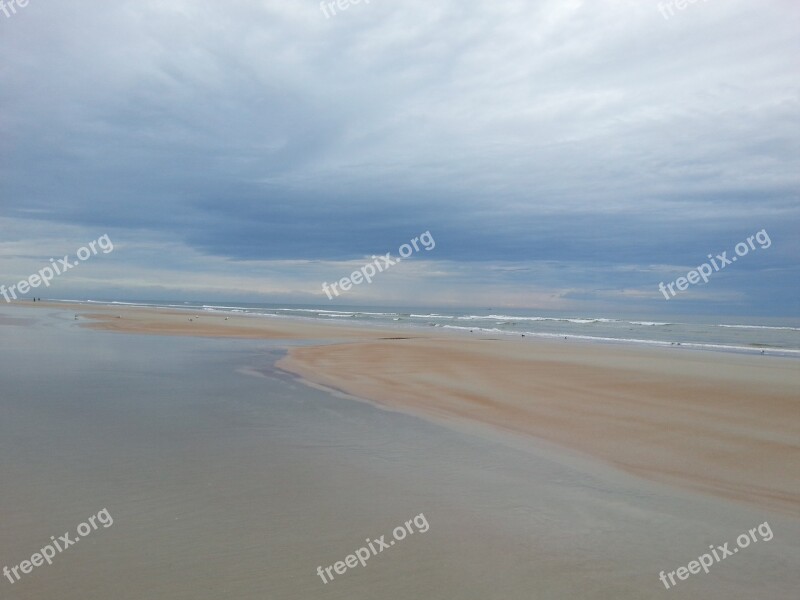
[[565, 155]]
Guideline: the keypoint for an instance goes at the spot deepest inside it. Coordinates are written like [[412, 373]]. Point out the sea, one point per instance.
[[767, 335]]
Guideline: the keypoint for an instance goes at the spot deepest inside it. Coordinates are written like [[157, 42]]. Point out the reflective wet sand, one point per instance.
[[229, 479]]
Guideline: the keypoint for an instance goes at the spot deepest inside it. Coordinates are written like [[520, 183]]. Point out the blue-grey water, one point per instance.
[[774, 335]]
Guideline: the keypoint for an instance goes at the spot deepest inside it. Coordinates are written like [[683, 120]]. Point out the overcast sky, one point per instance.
[[564, 155]]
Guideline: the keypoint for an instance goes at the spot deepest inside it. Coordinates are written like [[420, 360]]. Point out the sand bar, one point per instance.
[[718, 423]]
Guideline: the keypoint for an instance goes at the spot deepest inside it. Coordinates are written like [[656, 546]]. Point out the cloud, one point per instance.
[[594, 136]]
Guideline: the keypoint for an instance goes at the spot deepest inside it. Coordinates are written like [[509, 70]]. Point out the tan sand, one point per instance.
[[206, 324], [723, 424]]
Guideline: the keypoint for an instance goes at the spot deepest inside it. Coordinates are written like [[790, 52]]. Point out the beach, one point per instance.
[[721, 424], [403, 301], [718, 423], [238, 454]]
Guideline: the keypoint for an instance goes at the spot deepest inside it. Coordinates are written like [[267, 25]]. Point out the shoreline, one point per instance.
[[408, 325], [718, 423], [724, 438]]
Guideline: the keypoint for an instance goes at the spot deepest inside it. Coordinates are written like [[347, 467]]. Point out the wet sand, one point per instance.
[[723, 424], [227, 477]]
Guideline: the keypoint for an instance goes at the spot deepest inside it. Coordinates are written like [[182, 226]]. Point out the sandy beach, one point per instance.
[[722, 424], [546, 470], [399, 301]]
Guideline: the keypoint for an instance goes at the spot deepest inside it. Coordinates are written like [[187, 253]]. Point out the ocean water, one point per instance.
[[757, 334]]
